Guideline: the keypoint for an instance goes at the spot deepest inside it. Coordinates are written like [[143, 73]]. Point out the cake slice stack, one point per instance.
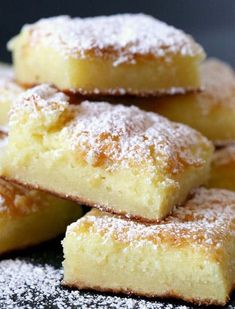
[[153, 232]]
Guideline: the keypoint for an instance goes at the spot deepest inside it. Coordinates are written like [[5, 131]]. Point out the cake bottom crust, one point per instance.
[[168, 294], [119, 92]]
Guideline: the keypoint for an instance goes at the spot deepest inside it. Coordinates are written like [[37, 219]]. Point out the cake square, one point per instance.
[[223, 169], [8, 92], [116, 158], [120, 54], [190, 255], [29, 217], [212, 111]]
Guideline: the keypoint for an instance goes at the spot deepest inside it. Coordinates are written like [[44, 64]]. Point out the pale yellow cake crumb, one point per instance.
[[190, 255], [119, 54], [29, 217]]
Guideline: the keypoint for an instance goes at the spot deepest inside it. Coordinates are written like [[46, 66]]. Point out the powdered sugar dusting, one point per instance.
[[128, 136], [204, 222], [113, 135], [43, 102], [122, 37], [25, 284], [42, 99]]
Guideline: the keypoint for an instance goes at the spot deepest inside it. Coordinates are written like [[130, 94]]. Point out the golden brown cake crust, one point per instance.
[[169, 294]]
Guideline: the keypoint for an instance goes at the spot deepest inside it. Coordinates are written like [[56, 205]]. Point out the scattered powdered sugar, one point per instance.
[[122, 37], [206, 220], [25, 284]]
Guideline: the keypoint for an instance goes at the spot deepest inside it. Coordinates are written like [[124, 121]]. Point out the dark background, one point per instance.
[[211, 22]]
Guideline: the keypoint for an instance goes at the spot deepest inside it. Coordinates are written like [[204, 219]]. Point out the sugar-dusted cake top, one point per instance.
[[111, 135], [122, 37], [218, 79], [206, 220]]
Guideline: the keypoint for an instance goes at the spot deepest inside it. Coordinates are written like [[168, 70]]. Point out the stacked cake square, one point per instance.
[[86, 103]]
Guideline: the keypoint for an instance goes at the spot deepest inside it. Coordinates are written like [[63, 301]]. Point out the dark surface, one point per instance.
[[59, 297], [212, 22]]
